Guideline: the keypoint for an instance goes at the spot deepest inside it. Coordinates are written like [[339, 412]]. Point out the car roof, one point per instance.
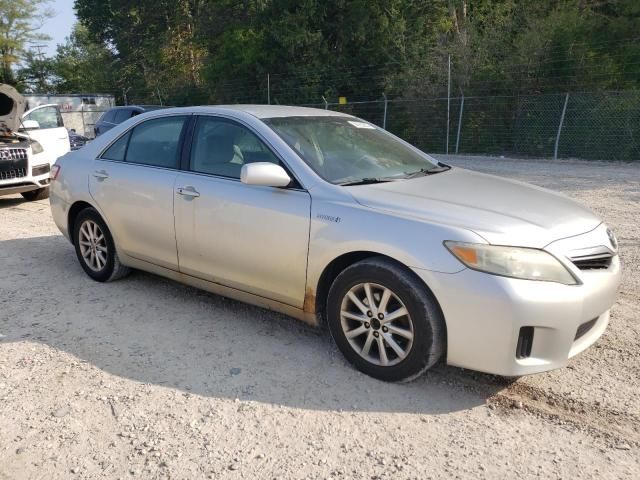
[[258, 111], [138, 107], [274, 111], [262, 111]]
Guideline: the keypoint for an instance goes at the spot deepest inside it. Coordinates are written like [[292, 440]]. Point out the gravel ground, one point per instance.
[[148, 378]]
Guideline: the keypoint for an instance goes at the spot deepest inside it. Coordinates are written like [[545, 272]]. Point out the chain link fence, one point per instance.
[[586, 125], [82, 121], [600, 125]]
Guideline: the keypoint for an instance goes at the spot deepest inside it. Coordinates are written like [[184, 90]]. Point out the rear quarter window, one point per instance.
[[108, 116], [122, 115]]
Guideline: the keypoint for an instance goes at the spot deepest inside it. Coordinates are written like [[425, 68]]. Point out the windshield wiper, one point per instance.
[[367, 181], [429, 171]]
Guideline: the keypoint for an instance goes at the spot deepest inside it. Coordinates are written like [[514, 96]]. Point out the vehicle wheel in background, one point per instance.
[[95, 248], [385, 321], [33, 195]]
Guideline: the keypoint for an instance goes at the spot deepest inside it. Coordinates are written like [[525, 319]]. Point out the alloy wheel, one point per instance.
[[93, 245], [376, 324]]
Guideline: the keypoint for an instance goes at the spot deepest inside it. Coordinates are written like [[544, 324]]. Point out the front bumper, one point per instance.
[[24, 184], [486, 314]]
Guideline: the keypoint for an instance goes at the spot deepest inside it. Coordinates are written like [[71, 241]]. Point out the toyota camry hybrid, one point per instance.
[[332, 220]]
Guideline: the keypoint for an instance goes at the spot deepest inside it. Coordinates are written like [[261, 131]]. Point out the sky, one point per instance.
[[59, 27]]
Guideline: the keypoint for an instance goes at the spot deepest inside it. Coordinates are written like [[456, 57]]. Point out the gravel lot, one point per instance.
[[148, 378]]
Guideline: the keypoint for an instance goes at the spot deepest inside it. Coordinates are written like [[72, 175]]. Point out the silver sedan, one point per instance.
[[330, 219]]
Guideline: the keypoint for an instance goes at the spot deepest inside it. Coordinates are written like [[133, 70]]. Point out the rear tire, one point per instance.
[[34, 195], [401, 335], [95, 248]]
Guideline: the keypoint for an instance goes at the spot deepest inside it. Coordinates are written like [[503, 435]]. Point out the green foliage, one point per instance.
[[185, 51], [20, 21], [83, 65], [36, 73]]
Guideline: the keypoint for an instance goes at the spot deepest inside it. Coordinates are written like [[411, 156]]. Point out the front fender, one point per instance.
[[338, 228]]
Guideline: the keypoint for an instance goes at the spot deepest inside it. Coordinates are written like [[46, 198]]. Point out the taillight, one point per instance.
[[55, 171]]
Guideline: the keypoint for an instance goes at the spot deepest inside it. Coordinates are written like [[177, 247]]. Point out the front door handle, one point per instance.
[[101, 174], [188, 192]]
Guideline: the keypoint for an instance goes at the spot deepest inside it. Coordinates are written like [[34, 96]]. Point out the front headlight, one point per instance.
[[36, 148], [515, 262]]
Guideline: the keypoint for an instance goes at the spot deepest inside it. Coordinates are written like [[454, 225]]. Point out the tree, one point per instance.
[[20, 21], [196, 51], [36, 73], [155, 43], [83, 65]]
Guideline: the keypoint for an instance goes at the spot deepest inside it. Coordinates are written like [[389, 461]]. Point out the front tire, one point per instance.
[[385, 321], [34, 195], [95, 248]]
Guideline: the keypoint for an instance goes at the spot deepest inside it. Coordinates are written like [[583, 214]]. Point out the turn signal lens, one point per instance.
[[467, 255], [515, 262]]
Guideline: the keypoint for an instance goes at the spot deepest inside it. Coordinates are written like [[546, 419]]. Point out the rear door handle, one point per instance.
[[101, 174], [188, 191]]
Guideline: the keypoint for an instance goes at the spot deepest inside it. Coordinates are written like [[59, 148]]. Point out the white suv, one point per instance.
[[30, 142]]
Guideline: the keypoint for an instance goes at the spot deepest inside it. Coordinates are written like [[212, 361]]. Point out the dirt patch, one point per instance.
[[148, 378]]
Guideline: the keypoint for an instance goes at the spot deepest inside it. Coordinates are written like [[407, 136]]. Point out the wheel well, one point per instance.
[[330, 273], [337, 265], [75, 209]]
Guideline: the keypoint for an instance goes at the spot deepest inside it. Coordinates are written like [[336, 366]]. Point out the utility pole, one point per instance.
[[41, 75]]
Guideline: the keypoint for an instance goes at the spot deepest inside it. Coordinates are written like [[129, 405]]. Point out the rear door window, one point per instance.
[[156, 142], [117, 150]]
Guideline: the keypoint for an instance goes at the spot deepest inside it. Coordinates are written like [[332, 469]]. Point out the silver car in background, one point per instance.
[[330, 219]]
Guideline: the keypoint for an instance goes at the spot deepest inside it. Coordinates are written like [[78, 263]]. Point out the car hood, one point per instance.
[[504, 212], [12, 106]]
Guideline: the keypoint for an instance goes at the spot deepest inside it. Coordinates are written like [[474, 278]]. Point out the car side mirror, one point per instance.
[[30, 125], [266, 174]]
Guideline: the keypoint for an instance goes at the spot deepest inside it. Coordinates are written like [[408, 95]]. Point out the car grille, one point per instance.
[[15, 173], [13, 163], [13, 154], [600, 261]]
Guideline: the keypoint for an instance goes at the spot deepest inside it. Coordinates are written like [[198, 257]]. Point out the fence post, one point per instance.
[[448, 105], [268, 89], [84, 125], [384, 119], [460, 121], [326, 104], [564, 110]]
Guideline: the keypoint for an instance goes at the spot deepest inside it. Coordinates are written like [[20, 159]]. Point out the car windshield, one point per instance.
[[345, 150]]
